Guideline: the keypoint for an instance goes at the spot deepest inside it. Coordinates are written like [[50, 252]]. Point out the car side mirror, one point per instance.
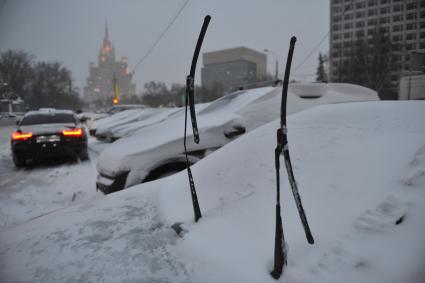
[[235, 131]]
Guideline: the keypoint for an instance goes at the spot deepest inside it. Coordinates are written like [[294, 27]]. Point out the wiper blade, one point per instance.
[[190, 79], [280, 251], [190, 101]]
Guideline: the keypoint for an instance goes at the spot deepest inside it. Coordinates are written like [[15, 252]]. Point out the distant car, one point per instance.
[[160, 115], [99, 127], [113, 115], [155, 116], [48, 133], [122, 107], [102, 129]]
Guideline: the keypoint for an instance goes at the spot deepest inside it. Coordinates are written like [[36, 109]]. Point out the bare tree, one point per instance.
[[370, 63], [15, 73], [51, 87]]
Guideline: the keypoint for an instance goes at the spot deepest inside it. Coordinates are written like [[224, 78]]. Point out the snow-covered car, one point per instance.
[[101, 127], [91, 116], [126, 129], [122, 107], [48, 133], [132, 128], [157, 150]]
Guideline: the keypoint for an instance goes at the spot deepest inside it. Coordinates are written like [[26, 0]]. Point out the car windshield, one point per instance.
[[59, 118]]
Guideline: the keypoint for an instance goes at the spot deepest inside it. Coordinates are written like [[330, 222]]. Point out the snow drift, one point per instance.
[[351, 161]]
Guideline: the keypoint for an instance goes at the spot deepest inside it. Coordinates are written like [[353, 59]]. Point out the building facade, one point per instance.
[[233, 68], [402, 20], [99, 89]]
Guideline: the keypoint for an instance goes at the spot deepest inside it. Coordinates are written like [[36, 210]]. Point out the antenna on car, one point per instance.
[[280, 251], [190, 101]]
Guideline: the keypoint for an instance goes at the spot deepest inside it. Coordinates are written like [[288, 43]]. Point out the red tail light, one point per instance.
[[73, 132], [20, 136]]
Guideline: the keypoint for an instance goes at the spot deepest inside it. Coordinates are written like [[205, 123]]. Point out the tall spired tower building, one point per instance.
[[99, 89]]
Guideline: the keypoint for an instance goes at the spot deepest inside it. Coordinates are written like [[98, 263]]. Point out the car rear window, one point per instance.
[[58, 118]]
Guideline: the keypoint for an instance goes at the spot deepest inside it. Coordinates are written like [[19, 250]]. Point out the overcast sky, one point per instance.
[[72, 31]]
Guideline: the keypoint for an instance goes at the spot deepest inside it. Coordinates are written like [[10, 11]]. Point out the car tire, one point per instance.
[[84, 155], [18, 161]]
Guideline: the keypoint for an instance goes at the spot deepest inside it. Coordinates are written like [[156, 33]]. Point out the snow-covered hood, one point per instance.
[[104, 126], [116, 117], [131, 128]]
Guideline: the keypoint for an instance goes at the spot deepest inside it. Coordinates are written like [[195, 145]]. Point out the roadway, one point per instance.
[[40, 189]]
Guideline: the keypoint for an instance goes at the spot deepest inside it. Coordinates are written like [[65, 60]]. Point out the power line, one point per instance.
[[312, 51], [160, 36]]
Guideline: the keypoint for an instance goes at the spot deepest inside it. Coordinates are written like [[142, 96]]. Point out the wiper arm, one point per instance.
[[190, 101], [190, 79], [280, 250]]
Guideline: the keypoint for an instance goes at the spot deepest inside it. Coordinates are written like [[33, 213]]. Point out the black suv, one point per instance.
[[48, 133]]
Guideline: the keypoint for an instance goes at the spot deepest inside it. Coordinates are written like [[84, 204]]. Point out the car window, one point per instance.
[[219, 103], [59, 118]]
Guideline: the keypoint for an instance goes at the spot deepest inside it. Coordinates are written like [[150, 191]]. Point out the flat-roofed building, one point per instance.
[[233, 68]]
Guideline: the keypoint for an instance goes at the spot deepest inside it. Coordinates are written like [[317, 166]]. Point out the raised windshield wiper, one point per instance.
[[190, 101], [280, 250]]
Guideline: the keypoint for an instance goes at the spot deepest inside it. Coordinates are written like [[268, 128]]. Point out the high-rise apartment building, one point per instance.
[[99, 88], [402, 20]]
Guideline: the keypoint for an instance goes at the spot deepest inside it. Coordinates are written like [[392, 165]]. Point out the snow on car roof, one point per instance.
[[49, 111]]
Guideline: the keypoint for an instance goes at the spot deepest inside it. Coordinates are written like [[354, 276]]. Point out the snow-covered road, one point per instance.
[[40, 189]]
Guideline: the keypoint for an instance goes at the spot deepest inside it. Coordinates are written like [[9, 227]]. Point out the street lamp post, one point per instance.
[[276, 75]]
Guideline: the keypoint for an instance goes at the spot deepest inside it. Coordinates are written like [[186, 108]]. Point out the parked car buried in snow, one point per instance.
[[119, 126], [157, 150]]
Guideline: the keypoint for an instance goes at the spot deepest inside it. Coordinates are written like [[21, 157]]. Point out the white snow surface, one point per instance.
[[359, 167], [162, 114], [132, 128], [40, 189], [121, 118]]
